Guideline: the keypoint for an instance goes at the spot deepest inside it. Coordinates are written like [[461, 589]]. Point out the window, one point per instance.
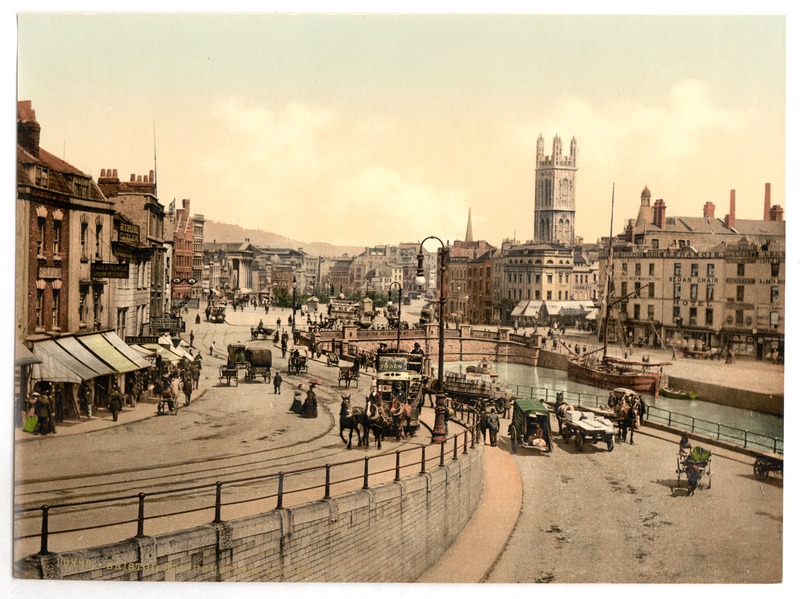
[[677, 269], [538, 294], [740, 270], [623, 289], [651, 312], [651, 290], [40, 308], [709, 317], [692, 317], [624, 268], [637, 269], [774, 295], [773, 320], [651, 269], [776, 269], [693, 291], [56, 237], [709, 293], [538, 279], [40, 236], [40, 176], [676, 315], [549, 281], [638, 289], [654, 244], [636, 311], [709, 270], [740, 293], [694, 270], [98, 242], [122, 318], [676, 291], [83, 303], [56, 307], [84, 241], [549, 295], [98, 303]]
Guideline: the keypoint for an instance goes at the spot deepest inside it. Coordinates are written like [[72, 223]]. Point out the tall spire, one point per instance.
[[468, 236]]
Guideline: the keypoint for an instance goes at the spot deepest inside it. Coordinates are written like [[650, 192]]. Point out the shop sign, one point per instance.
[[108, 270], [49, 272]]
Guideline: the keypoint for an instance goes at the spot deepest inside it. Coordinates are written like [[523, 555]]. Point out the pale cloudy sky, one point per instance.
[[360, 129]]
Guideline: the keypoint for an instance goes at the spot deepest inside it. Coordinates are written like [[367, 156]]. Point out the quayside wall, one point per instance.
[[390, 533]]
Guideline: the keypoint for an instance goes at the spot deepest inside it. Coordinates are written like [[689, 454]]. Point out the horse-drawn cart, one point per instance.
[[229, 373], [298, 362], [766, 463], [587, 427], [258, 363], [260, 332], [530, 426], [348, 375]]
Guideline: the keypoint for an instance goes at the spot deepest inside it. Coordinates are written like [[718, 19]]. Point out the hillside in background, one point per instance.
[[224, 233]]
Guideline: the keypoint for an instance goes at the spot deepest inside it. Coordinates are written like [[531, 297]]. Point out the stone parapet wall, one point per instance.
[[391, 533]]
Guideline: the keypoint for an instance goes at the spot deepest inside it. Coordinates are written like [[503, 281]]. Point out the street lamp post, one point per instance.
[[399, 308], [294, 308], [439, 434]]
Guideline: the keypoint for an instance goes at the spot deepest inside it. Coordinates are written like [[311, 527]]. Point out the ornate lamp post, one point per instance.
[[399, 308], [439, 434], [294, 308]]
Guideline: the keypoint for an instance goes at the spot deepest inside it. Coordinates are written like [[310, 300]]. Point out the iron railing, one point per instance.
[[325, 482], [721, 432]]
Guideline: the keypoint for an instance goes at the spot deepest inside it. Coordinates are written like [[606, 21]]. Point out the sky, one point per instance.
[[359, 129]]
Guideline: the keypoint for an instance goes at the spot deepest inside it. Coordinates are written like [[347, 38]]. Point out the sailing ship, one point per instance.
[[609, 372]]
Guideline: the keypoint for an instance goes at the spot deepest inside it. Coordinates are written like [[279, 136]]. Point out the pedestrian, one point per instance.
[[196, 373], [276, 383], [175, 388], [115, 402], [191, 338], [213, 348], [493, 424], [484, 422], [187, 390], [309, 409]]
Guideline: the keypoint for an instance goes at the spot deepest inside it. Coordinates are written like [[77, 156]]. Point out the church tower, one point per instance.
[[554, 204]]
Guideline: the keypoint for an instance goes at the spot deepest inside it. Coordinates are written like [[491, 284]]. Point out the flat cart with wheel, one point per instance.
[[261, 332], [766, 463], [587, 427], [530, 426], [229, 373]]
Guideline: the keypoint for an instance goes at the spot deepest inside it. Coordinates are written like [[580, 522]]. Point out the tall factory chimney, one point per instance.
[[730, 218], [767, 201]]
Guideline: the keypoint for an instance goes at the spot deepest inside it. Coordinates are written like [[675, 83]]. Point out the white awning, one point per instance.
[[57, 365], [126, 350]]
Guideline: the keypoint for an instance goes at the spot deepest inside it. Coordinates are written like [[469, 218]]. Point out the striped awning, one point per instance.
[[126, 350]]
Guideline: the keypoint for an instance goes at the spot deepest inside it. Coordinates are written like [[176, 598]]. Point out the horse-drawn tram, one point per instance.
[[530, 426], [394, 378]]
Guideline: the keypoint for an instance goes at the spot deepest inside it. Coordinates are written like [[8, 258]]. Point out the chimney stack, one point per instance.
[[708, 210], [776, 213], [767, 202], [659, 213], [28, 130], [133, 177], [730, 218], [629, 233]]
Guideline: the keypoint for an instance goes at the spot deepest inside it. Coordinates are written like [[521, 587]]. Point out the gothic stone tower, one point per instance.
[[554, 207]]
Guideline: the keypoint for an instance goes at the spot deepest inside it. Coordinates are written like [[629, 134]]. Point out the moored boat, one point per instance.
[[678, 393]]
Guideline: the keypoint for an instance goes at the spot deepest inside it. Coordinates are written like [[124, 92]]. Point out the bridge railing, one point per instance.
[[716, 430], [271, 490]]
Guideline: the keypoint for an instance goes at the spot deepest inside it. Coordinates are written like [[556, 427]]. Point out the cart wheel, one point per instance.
[[514, 440], [760, 469], [578, 441], [610, 443], [565, 435]]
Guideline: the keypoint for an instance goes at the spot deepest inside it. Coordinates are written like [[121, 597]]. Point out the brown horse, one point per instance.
[[352, 419], [378, 421]]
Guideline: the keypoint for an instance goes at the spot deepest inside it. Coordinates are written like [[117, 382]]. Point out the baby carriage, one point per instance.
[[694, 464]]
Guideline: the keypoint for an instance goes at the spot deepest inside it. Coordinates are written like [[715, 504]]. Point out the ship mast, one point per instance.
[[608, 278]]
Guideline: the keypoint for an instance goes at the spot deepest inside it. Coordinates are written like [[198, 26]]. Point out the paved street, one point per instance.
[[565, 517]]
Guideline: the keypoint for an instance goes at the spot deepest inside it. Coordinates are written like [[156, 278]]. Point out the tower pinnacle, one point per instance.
[[468, 236]]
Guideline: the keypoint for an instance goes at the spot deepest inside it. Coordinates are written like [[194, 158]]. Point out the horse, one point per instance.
[[378, 421], [561, 413], [350, 419]]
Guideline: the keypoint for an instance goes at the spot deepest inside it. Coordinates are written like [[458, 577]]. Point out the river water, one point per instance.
[[764, 431]]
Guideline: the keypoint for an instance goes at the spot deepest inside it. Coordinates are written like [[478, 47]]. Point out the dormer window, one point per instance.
[[40, 176], [80, 187]]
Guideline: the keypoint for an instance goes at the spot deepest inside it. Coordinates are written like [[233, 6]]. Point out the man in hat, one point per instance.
[[493, 424]]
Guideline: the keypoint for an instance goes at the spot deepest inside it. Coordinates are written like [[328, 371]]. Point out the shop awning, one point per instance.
[[23, 356], [126, 350], [162, 351], [57, 365], [102, 348], [519, 309], [79, 351], [147, 353]]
